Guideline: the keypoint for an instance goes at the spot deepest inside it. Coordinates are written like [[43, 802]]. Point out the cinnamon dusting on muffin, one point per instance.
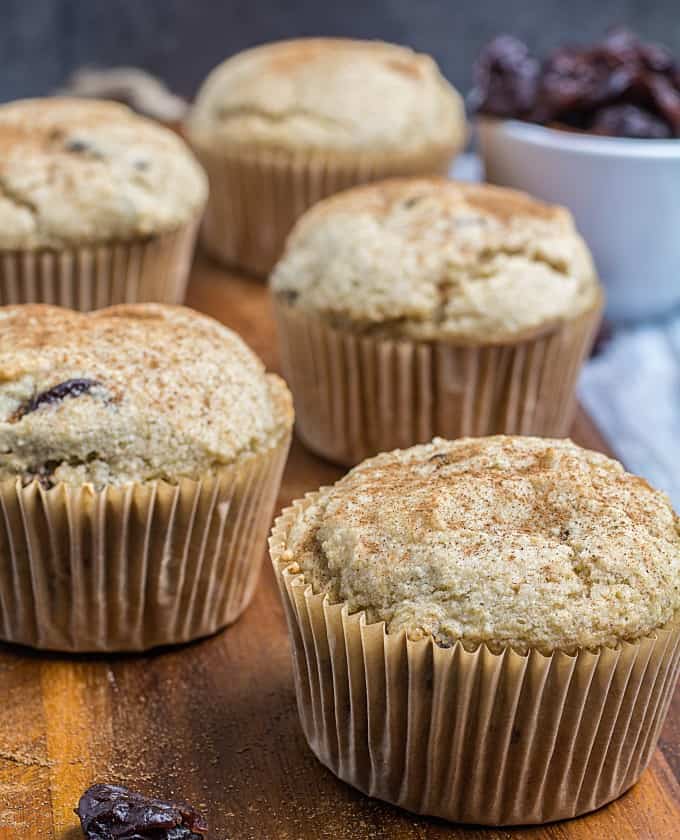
[[129, 393], [521, 542]]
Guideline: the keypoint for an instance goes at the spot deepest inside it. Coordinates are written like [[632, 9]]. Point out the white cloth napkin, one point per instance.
[[632, 392]]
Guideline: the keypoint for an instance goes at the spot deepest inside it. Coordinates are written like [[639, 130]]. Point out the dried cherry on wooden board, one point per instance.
[[111, 812]]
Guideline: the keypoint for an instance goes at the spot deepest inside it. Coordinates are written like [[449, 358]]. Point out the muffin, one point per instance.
[[97, 205], [485, 630], [414, 308], [283, 125], [141, 450]]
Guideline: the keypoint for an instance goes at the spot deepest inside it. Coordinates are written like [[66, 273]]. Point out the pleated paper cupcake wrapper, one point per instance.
[[91, 277], [357, 395], [134, 567], [256, 198], [472, 736]]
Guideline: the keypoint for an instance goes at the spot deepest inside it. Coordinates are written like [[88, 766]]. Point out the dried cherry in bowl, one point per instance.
[[624, 194]]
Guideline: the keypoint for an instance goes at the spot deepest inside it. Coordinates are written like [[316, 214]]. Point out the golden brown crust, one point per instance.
[[381, 199], [430, 258], [131, 393], [522, 542], [304, 95], [74, 172]]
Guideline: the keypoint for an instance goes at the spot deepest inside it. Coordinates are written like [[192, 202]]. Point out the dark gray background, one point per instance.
[[42, 41]]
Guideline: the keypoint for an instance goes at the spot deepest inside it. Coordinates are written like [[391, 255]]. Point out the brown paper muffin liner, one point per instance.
[[134, 567], [93, 276], [470, 735], [357, 395], [256, 197]]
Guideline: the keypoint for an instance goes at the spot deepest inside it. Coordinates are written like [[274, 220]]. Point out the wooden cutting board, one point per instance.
[[215, 722]]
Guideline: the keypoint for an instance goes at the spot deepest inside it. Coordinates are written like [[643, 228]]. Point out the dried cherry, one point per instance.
[[111, 812], [629, 121], [505, 78], [59, 392], [619, 86]]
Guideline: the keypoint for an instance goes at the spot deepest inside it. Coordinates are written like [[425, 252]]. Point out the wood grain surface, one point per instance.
[[215, 722]]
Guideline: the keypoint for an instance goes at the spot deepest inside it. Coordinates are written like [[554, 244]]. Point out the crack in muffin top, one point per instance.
[[430, 258], [80, 171], [328, 94], [130, 393], [509, 541]]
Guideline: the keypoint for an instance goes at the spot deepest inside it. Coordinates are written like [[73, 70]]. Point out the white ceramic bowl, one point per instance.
[[624, 194]]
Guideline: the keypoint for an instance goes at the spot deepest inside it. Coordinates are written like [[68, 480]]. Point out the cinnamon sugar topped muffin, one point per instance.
[[78, 171], [435, 259], [511, 541], [329, 93], [129, 394]]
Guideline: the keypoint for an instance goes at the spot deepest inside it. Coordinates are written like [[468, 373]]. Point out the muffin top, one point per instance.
[[329, 94], [81, 171], [432, 258], [130, 393], [512, 541]]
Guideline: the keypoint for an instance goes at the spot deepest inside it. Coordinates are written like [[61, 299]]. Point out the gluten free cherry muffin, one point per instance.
[[141, 449], [485, 629], [419, 307], [97, 205], [281, 126]]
